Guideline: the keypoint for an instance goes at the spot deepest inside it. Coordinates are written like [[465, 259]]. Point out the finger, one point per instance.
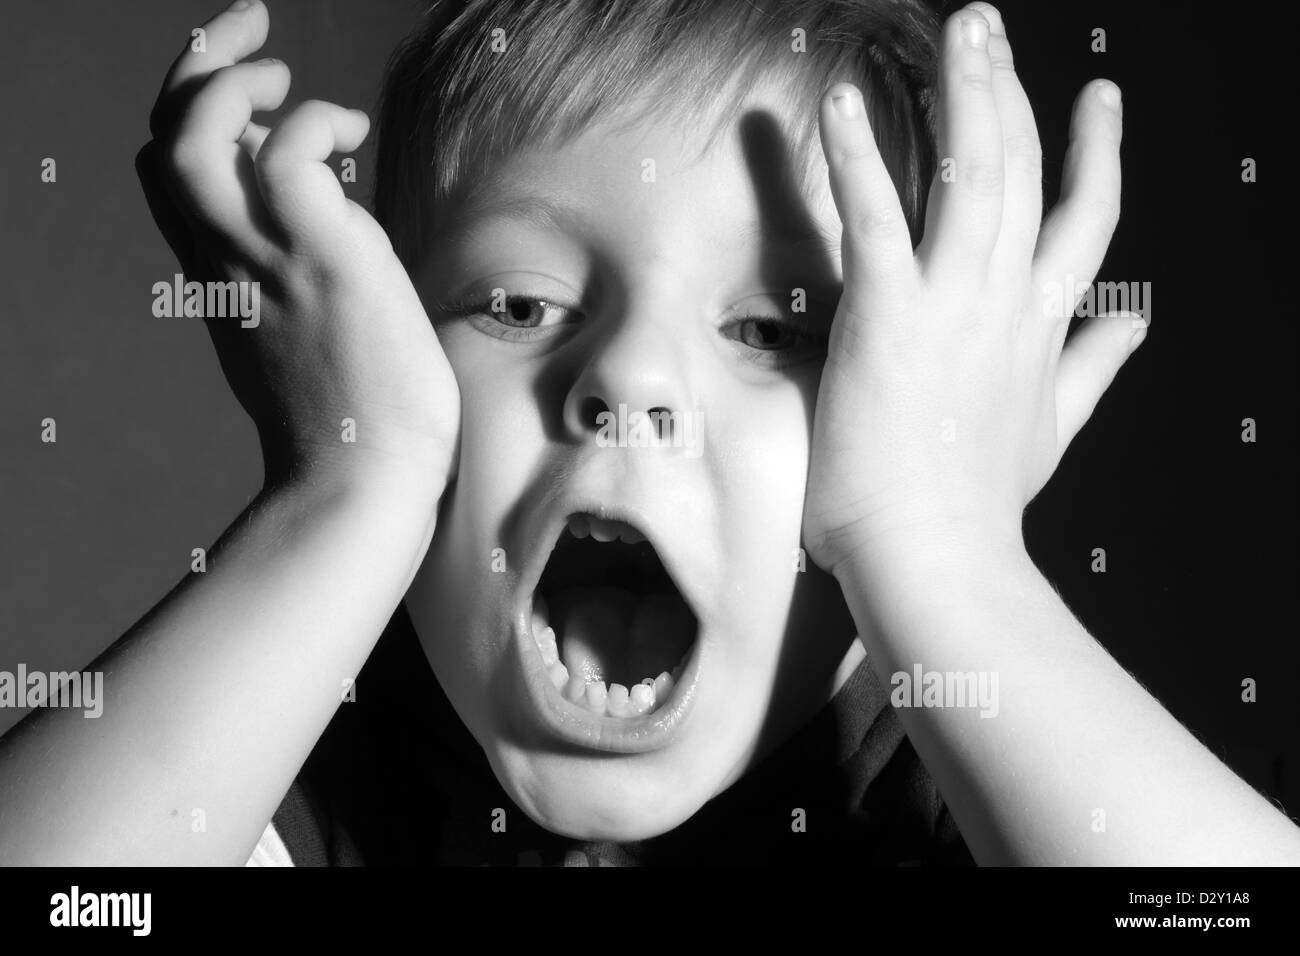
[[253, 138], [227, 38], [1022, 204], [302, 193], [150, 169], [221, 112], [1089, 363], [876, 246], [965, 209], [1076, 233], [206, 153]]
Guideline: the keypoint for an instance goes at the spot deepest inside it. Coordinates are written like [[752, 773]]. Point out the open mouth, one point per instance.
[[613, 630]]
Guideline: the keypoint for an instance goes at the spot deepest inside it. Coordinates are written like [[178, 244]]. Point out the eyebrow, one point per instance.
[[815, 238], [534, 210]]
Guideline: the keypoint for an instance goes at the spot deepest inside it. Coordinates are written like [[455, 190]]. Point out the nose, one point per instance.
[[639, 369]]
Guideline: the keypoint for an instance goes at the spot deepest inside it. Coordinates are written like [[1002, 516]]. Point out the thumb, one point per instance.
[[1089, 363]]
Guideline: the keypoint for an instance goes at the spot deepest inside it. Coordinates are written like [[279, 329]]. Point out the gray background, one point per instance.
[[154, 456]]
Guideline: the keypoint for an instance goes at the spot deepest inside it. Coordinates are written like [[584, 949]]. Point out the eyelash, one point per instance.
[[776, 358], [472, 309]]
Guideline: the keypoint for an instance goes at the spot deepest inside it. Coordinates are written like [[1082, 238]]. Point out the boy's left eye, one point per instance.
[[774, 342], [766, 334], [522, 312]]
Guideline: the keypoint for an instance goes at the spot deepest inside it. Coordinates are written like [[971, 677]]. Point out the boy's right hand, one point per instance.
[[341, 331]]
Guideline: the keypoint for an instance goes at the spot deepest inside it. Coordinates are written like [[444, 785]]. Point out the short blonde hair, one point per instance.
[[478, 79]]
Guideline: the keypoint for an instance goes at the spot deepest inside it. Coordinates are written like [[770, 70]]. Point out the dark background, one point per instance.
[[154, 456]]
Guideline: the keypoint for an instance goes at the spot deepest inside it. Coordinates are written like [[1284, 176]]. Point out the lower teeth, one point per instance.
[[588, 689], [613, 700]]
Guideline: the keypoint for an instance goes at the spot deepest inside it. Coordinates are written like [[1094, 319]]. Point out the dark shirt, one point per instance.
[[397, 780]]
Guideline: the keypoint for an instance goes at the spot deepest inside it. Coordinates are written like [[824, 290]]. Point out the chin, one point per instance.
[[601, 798]]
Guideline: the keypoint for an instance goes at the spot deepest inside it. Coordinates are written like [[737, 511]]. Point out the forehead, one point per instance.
[[657, 185]]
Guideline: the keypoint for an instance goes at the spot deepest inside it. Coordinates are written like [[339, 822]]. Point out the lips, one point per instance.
[[609, 643]]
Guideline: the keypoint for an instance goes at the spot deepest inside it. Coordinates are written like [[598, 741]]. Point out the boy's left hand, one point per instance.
[[947, 400]]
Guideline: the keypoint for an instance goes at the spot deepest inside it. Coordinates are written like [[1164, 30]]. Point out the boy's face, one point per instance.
[[637, 267]]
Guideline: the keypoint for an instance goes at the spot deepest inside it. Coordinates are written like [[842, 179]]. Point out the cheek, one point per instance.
[[759, 464], [501, 443], [502, 432], [764, 445]]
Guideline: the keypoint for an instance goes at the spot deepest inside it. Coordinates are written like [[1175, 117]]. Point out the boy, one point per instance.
[[616, 214]]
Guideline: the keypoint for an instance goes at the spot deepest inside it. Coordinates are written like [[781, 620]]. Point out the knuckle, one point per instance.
[[1026, 149], [309, 115], [218, 88], [316, 110], [222, 76], [210, 84], [878, 220], [984, 177], [974, 81], [182, 158], [1000, 57], [271, 161], [852, 154]]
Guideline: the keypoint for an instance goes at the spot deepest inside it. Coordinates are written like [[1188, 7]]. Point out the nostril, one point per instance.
[[589, 412], [661, 420]]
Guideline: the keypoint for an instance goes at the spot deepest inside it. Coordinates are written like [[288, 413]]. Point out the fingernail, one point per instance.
[[976, 30], [989, 12], [848, 104], [1108, 93], [240, 5]]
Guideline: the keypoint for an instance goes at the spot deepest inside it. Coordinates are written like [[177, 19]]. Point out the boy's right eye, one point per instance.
[[514, 317]]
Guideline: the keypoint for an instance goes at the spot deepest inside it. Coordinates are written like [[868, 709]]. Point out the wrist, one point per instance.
[[938, 595], [382, 518], [916, 557], [357, 473], [378, 486]]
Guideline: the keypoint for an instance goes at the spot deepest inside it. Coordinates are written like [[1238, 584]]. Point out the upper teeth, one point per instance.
[[580, 526]]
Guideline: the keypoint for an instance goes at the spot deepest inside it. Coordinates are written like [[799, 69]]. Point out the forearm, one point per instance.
[[214, 700], [1079, 765]]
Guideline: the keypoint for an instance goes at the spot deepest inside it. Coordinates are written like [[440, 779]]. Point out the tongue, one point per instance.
[[613, 635]]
